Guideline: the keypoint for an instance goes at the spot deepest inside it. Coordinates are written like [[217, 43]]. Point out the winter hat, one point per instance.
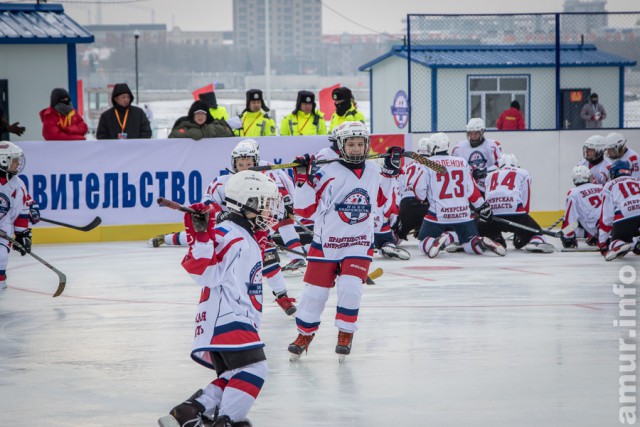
[[255, 95], [305, 96], [209, 98], [200, 106], [342, 93], [57, 94], [119, 89]]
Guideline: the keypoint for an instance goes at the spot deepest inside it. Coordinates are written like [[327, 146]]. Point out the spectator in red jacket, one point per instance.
[[61, 122], [511, 118]]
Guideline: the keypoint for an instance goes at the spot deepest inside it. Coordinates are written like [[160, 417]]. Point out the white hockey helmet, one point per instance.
[[437, 143], [508, 160], [254, 195], [12, 159], [246, 148], [475, 124], [593, 148], [349, 130], [581, 175], [421, 146], [615, 145]]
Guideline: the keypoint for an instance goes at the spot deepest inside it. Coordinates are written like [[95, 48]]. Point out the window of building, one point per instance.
[[489, 96]]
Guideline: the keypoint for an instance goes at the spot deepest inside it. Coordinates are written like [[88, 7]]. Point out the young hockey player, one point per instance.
[[616, 145], [593, 153], [480, 153], [620, 218], [342, 196], [584, 203], [15, 203], [449, 195], [226, 260], [508, 192]]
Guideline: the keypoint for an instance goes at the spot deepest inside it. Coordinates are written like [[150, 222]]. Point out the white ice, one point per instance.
[[460, 340]]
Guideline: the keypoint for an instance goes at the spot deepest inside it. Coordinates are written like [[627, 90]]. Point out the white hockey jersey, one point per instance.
[[481, 157], [583, 205], [450, 193], [599, 171], [508, 191], [343, 204], [620, 201], [14, 212], [327, 153], [632, 157], [229, 270], [412, 174]]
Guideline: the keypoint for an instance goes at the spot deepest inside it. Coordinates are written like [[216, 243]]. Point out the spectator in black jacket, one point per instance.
[[123, 120]]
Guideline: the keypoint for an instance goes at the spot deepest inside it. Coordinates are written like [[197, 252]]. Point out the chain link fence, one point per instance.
[[548, 65]]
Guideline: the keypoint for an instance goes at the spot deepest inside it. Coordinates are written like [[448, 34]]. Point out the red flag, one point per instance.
[[326, 101], [380, 143], [204, 89]]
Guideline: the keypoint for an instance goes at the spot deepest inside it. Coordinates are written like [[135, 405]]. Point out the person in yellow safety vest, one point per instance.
[[218, 112], [345, 108], [305, 119], [255, 122]]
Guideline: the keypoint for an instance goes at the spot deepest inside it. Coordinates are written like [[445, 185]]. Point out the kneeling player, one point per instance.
[[584, 203]]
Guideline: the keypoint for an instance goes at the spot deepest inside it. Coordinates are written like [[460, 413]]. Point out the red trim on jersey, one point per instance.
[[220, 255]]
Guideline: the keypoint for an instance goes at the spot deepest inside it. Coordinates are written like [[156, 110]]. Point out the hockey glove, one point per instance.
[[479, 174], [604, 247], [592, 240], [569, 242], [200, 226], [302, 173], [23, 240], [34, 212], [392, 163], [484, 212], [288, 205]]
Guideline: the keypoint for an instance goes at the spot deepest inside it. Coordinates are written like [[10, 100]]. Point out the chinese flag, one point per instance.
[[325, 101], [380, 143], [204, 89]]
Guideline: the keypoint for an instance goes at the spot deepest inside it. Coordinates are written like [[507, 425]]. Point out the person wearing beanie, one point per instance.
[[345, 108], [305, 119], [511, 118], [199, 124], [218, 112], [254, 118], [60, 121], [123, 120]]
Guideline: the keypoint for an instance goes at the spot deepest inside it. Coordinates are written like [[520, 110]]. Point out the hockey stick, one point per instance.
[[568, 229], [304, 227], [177, 206], [589, 249], [558, 221], [62, 278], [93, 224]]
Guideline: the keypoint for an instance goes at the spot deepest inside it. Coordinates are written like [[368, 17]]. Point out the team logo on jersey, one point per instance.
[[254, 286], [477, 160], [354, 208], [5, 205], [400, 109]]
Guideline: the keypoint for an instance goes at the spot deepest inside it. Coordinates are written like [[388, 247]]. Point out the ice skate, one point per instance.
[[187, 414], [494, 247], [540, 247], [343, 348], [286, 303], [3, 285], [618, 250], [225, 421], [392, 251], [454, 247], [300, 345], [438, 245], [295, 267], [156, 241]]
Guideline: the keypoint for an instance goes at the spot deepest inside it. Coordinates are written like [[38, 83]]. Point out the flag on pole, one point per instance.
[[204, 89], [326, 101]]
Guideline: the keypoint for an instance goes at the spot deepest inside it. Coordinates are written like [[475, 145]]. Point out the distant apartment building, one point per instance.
[[295, 34], [593, 20], [122, 35]]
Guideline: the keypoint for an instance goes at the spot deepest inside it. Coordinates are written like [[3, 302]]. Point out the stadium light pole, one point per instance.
[[136, 36]]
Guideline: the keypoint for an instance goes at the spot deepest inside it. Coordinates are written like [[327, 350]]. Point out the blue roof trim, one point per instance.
[[39, 24], [500, 56]]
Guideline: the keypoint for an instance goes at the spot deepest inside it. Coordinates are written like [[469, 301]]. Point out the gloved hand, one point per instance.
[[569, 241], [303, 173], [23, 238], [202, 222], [484, 212], [34, 212], [392, 163], [15, 128], [479, 174], [592, 240], [604, 247], [288, 205]]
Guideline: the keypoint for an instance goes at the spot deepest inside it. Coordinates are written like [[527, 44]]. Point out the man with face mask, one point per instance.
[[60, 121], [593, 113], [345, 108]]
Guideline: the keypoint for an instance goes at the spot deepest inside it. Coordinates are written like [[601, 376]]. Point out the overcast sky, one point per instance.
[[372, 15]]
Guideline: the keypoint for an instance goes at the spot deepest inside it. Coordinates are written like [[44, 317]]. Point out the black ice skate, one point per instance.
[[189, 413], [157, 241], [295, 267], [300, 345], [343, 348], [225, 421]]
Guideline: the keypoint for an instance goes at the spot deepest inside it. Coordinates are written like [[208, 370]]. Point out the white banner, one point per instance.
[[120, 180]]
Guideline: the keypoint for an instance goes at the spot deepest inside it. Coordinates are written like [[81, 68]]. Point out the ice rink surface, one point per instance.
[[460, 340]]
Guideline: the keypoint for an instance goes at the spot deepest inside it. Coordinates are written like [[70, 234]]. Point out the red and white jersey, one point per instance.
[[343, 203], [481, 157], [327, 153], [508, 191], [583, 205], [632, 157], [620, 201], [599, 171], [229, 270], [412, 174], [390, 186], [14, 212], [450, 193]]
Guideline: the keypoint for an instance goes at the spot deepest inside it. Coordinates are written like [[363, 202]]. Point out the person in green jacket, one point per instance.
[[305, 119], [345, 108], [199, 124], [255, 118]]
